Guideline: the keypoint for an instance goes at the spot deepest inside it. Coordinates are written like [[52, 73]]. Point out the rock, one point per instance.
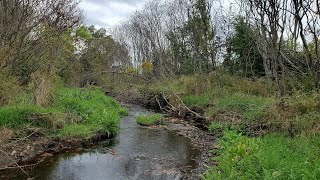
[[13, 153], [47, 155], [22, 154], [113, 152]]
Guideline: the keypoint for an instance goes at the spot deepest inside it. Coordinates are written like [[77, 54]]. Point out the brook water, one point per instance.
[[137, 153]]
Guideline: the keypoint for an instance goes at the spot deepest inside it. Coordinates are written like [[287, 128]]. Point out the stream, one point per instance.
[[136, 153]]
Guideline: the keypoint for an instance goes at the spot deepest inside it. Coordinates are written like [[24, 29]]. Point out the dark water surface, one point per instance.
[[138, 153]]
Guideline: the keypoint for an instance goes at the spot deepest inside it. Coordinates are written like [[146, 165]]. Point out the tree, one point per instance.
[[243, 57], [101, 54], [35, 41]]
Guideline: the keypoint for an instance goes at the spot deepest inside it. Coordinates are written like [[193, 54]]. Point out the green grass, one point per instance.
[[74, 113], [150, 120], [21, 115], [249, 106], [99, 113], [269, 157], [196, 100]]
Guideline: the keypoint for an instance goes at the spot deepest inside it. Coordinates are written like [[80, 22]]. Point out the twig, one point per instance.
[[18, 166], [22, 138], [162, 109], [174, 109]]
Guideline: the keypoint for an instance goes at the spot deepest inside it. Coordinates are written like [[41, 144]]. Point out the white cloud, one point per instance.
[[106, 13]]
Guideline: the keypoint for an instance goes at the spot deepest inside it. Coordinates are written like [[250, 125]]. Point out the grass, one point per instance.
[[196, 100], [271, 157], [150, 120], [74, 112]]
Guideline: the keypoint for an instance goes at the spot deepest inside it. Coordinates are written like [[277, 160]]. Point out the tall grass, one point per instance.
[[78, 113]]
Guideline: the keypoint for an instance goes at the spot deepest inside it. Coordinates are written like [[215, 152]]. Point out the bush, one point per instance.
[[150, 120]]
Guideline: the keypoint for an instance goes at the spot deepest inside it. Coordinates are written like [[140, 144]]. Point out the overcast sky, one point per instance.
[[106, 13]]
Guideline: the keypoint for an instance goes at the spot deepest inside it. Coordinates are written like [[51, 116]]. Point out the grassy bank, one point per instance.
[[79, 113], [273, 156], [262, 136]]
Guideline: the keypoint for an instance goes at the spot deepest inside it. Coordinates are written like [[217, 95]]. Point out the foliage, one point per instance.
[[243, 57], [83, 33], [269, 157], [196, 100], [150, 120], [9, 88], [99, 113], [102, 54]]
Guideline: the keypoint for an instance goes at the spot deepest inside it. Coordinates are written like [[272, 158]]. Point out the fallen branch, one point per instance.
[[188, 109], [162, 109], [197, 115], [26, 166]]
